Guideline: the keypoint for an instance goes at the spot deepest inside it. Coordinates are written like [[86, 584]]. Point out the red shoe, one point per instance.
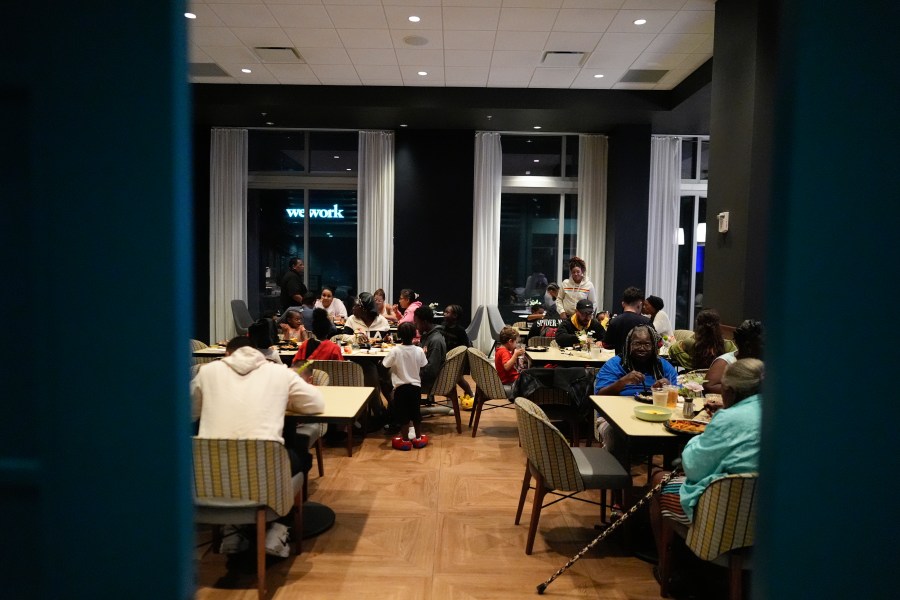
[[398, 443], [420, 442]]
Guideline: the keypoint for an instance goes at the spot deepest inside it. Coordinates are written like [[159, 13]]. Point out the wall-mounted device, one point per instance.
[[723, 222]]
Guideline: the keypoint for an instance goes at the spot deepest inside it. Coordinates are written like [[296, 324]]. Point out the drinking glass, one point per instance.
[[672, 397]]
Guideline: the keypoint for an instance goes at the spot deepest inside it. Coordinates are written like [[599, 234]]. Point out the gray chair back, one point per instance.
[[475, 325], [242, 318], [495, 320]]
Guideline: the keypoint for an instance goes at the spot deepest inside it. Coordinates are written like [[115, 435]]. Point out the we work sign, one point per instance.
[[333, 212]]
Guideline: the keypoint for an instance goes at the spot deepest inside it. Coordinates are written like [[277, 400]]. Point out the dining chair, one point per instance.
[[445, 383], [521, 325], [475, 324], [495, 322], [722, 531], [488, 387], [539, 340], [242, 318], [199, 360], [310, 434], [243, 482], [348, 374], [556, 467]]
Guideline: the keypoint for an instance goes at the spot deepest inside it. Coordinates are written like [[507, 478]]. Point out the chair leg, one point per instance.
[[475, 399], [454, 399], [320, 445], [667, 536], [735, 579], [539, 492], [261, 552], [525, 482], [477, 414]]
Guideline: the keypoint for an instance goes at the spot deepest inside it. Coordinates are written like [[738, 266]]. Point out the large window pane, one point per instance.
[[277, 151], [532, 155], [689, 159], [683, 299], [570, 229], [332, 241], [571, 156], [333, 152]]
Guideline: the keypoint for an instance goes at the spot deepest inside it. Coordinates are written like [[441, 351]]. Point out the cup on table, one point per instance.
[[660, 396], [672, 396]]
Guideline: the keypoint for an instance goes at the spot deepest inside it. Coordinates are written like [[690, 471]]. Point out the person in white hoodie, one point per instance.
[[244, 396]]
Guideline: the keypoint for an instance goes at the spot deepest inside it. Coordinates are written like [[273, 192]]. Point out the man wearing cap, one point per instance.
[[582, 321]]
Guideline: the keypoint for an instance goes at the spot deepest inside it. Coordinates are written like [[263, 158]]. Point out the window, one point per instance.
[[301, 201], [691, 230], [538, 217]]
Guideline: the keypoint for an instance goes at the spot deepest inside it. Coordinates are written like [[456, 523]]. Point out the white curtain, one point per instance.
[[662, 222], [486, 229], [375, 225], [227, 228], [591, 244]]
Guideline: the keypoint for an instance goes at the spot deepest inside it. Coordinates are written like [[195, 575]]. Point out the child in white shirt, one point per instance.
[[405, 362]]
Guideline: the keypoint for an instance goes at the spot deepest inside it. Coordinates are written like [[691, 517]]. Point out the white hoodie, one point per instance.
[[244, 396]]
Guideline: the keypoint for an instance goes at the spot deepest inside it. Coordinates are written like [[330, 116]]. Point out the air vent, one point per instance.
[[642, 76], [276, 54], [562, 58], [206, 70], [415, 40]]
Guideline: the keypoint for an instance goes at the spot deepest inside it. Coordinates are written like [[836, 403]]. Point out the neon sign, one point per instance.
[[316, 213]]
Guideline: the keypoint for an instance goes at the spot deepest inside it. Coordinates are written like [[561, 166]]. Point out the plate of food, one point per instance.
[[685, 426], [537, 349], [645, 397], [652, 413]]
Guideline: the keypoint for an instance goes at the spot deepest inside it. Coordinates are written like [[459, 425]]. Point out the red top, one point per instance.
[[325, 350], [501, 357]]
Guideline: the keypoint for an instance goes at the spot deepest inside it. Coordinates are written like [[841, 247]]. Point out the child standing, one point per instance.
[[405, 362], [507, 357]]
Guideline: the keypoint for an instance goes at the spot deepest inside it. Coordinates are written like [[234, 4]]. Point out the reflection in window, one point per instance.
[[333, 152], [540, 155], [277, 151], [691, 247]]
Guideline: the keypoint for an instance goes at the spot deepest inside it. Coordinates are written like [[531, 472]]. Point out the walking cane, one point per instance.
[[656, 489]]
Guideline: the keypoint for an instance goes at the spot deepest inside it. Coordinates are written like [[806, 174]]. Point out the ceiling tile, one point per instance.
[[553, 78], [195, 54], [692, 62], [469, 40], [582, 42], [510, 77], [434, 36], [505, 58], [411, 77], [649, 60], [353, 2], [315, 38], [477, 3], [325, 56], [584, 20], [471, 19], [624, 43], [286, 1], [366, 38], [532, 3], [372, 56], [371, 82], [692, 21], [466, 76], [244, 15], [656, 21], [206, 17], [609, 61], [596, 4], [699, 5], [706, 47], [676, 43], [231, 54], [521, 40], [415, 3], [262, 36], [467, 58], [213, 36], [357, 17], [398, 16], [587, 80], [340, 72], [212, 80], [527, 19], [294, 74], [654, 4], [672, 78], [420, 58], [259, 74], [379, 72], [634, 86], [302, 17]]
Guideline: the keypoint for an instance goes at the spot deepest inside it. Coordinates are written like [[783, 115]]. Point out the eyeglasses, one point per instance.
[[641, 345]]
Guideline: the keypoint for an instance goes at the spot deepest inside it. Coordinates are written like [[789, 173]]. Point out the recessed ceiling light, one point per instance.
[[528, 172], [337, 156], [537, 160], [598, 76], [414, 19], [423, 73], [640, 21], [190, 15], [490, 117], [349, 169], [263, 114], [527, 141], [269, 123], [403, 125], [246, 71], [537, 126]]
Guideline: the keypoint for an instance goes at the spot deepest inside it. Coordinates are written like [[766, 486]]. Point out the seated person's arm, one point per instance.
[[704, 453], [612, 378], [304, 398], [713, 383], [196, 400], [565, 335]]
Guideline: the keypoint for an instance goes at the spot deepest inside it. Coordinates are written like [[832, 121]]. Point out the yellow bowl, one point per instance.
[[652, 413]]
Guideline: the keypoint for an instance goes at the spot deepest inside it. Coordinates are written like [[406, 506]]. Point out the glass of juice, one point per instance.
[[672, 398]]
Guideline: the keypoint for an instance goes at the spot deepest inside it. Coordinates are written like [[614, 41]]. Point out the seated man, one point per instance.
[[620, 325], [244, 396], [582, 320]]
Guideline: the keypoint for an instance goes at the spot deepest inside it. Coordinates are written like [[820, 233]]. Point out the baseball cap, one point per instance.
[[584, 305]]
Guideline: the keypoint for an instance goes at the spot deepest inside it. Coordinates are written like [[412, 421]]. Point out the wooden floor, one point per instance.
[[437, 523]]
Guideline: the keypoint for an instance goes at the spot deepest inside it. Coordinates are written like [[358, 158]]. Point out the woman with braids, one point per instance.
[[639, 367], [707, 344], [576, 287], [749, 339]]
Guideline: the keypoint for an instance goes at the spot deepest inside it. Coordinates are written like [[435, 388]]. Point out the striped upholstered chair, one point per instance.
[[557, 467], [488, 387], [722, 531], [310, 434], [241, 482], [344, 373], [445, 383]]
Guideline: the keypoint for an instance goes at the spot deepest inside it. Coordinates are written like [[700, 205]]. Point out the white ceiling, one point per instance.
[[466, 43]]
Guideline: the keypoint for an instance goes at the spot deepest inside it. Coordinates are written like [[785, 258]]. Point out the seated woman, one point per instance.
[[320, 346], [335, 308], [365, 319], [384, 309], [729, 445], [406, 306], [653, 308], [292, 326], [707, 344], [749, 340]]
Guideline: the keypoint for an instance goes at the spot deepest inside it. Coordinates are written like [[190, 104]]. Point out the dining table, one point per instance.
[[568, 357], [342, 405]]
